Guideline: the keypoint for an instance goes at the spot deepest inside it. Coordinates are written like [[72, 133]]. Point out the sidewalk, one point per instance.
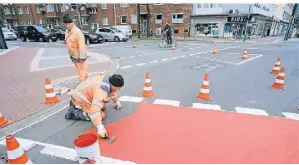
[[23, 91]]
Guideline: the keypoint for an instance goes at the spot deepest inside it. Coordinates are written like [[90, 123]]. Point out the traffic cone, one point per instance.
[[147, 90], [3, 121], [244, 57], [134, 45], [279, 82], [15, 153], [50, 41], [51, 97], [214, 50], [276, 67], [204, 93], [88, 149], [173, 47]]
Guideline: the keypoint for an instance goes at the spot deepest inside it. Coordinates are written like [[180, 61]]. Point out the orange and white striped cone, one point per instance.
[[204, 93], [50, 41], [4, 121], [88, 149], [173, 47], [134, 45], [276, 67], [279, 82], [15, 153], [147, 90], [244, 57], [51, 97], [214, 50]]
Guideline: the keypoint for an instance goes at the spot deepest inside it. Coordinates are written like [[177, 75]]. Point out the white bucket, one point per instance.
[[87, 147]]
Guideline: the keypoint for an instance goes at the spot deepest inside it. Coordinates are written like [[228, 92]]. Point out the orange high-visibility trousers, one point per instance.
[[82, 70]]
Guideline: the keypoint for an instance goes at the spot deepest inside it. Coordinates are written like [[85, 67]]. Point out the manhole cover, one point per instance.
[[208, 66]]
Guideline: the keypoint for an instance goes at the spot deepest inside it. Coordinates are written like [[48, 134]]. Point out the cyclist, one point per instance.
[[167, 31]]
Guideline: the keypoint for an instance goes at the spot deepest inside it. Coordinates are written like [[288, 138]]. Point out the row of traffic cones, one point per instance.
[[134, 46], [244, 57], [279, 82]]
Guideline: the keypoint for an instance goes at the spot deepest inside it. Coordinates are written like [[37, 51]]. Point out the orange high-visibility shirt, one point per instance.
[[75, 42]]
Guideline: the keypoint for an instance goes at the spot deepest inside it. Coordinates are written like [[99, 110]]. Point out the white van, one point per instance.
[[124, 28]]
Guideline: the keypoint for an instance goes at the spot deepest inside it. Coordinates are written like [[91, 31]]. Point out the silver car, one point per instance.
[[111, 35], [8, 35]]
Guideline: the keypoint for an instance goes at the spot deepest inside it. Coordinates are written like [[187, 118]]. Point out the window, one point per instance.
[[62, 7], [177, 18], [158, 4], [82, 8], [56, 22], [20, 10], [15, 23], [84, 21], [206, 28], [133, 19], [158, 18], [123, 5], [123, 19], [199, 5], [50, 8], [219, 5], [105, 21], [6, 10], [93, 11], [29, 23], [40, 22], [206, 5], [26, 10], [13, 11], [22, 23], [213, 5], [104, 6], [142, 4], [158, 31], [37, 8]]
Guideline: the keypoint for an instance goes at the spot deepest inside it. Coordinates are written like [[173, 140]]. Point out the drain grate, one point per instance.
[[207, 66]]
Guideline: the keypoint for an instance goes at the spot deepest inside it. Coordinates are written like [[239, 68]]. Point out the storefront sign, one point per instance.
[[237, 19]]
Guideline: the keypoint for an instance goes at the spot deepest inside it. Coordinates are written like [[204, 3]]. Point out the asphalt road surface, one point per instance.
[[176, 76]]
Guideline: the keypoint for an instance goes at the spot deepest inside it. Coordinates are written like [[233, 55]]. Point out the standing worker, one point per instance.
[[90, 97], [75, 42]]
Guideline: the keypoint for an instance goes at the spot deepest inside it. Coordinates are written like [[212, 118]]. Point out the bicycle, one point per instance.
[[163, 41]]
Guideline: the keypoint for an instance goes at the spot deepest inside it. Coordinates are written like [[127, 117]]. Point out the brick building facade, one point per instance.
[[100, 15]]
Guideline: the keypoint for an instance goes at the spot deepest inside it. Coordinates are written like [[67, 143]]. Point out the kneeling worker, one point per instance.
[[90, 97]]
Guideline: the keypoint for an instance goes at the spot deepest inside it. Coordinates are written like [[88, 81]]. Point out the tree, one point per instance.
[[138, 20], [148, 19]]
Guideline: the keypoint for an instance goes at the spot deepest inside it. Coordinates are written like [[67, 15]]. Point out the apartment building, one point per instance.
[[100, 15], [229, 20]]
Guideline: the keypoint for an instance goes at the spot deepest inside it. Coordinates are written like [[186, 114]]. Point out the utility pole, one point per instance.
[[78, 7], [290, 22], [138, 21], [247, 23]]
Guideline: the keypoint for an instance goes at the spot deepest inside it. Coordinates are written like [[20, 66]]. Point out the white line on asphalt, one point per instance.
[[24, 143], [217, 60], [153, 61], [167, 102], [165, 59], [251, 111], [34, 66], [131, 99], [37, 121], [140, 64], [65, 153], [289, 115], [125, 67], [249, 59], [252, 48], [8, 50], [121, 59], [117, 64], [183, 56], [234, 53], [206, 106], [174, 57], [131, 57]]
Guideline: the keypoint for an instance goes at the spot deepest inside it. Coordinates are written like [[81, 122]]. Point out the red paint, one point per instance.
[[167, 134], [86, 140]]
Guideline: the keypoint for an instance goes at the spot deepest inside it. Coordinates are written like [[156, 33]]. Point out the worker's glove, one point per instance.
[[102, 131], [118, 105]]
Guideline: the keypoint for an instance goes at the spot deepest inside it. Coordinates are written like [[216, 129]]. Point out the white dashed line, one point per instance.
[[289, 115], [152, 62], [174, 58], [131, 57], [131, 99], [251, 111], [183, 56], [165, 59], [206, 106], [167, 102], [249, 59], [125, 67], [140, 64], [121, 58]]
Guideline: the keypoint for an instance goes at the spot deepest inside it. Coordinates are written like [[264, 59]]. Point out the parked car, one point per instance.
[[110, 34], [91, 37], [59, 32], [37, 33], [20, 29], [119, 31], [127, 29], [8, 35]]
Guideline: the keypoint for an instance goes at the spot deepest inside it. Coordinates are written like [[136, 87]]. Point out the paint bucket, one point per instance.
[[87, 147]]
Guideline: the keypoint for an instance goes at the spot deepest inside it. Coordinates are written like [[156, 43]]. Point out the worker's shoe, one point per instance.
[[76, 113]]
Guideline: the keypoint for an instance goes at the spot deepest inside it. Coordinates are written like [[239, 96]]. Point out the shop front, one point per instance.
[[207, 26]]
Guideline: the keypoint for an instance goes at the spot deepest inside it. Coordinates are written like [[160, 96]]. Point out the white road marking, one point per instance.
[[183, 56], [8, 50], [234, 53], [140, 64], [131, 99], [217, 60], [252, 48], [125, 67], [174, 57], [251, 111], [167, 102], [289, 115], [249, 59], [206, 106], [152, 62], [131, 57], [121, 59], [165, 59], [34, 66]]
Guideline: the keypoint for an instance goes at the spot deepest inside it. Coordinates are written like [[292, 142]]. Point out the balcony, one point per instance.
[[92, 6], [10, 17]]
